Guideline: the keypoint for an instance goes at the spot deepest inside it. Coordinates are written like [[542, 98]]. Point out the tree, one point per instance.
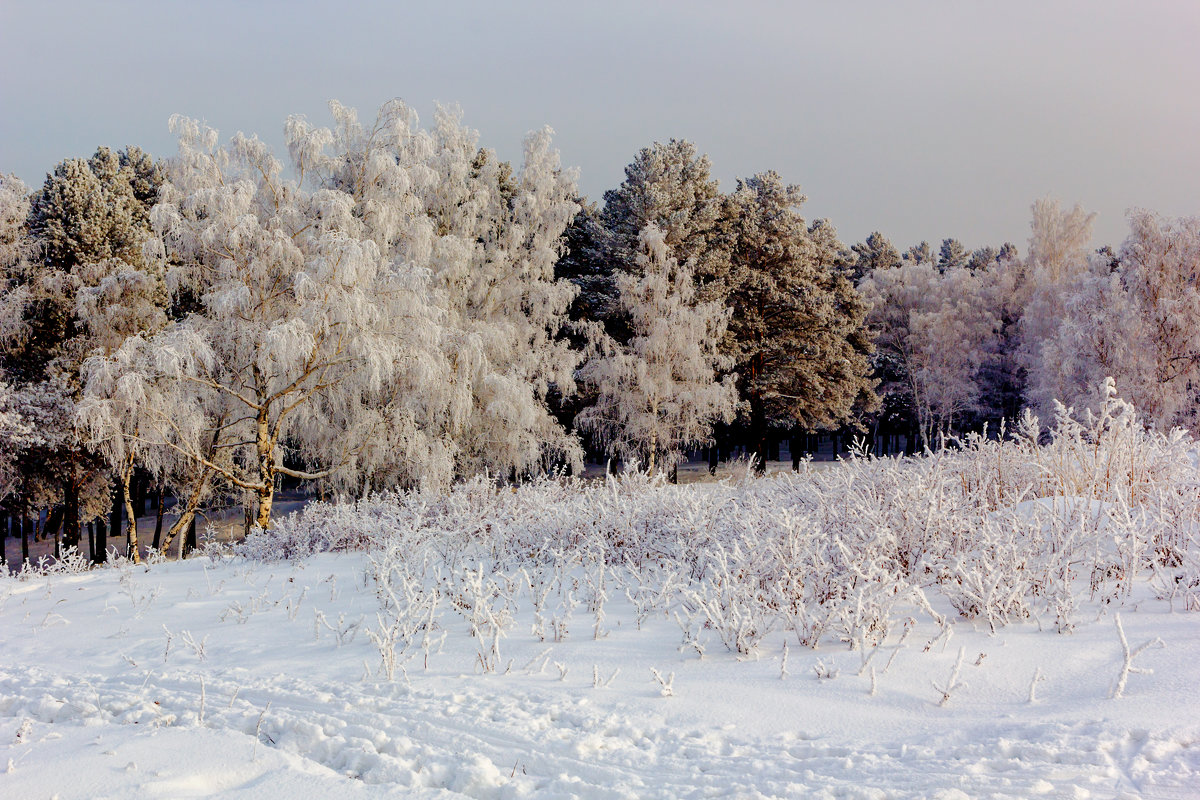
[[952, 255], [301, 318], [16, 435], [983, 258], [489, 239], [937, 330], [659, 393], [583, 264], [1058, 257], [669, 186], [1136, 323], [1004, 289], [919, 253], [89, 221], [877, 252], [798, 332]]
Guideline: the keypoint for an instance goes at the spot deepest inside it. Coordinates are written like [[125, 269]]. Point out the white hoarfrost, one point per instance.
[[944, 625], [388, 317], [659, 394]]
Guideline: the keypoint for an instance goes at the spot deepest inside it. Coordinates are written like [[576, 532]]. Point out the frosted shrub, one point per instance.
[[1004, 530], [730, 599]]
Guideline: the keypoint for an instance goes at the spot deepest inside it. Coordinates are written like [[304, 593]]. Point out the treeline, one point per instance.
[[400, 308]]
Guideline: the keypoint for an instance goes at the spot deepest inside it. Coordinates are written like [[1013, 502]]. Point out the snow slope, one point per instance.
[[197, 679]]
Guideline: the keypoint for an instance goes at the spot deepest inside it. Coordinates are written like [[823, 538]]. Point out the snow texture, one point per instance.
[[938, 627]]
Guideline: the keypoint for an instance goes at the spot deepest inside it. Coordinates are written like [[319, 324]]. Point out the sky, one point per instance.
[[919, 119]]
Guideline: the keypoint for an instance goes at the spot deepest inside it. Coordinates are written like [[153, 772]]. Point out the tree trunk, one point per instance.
[[26, 530], [71, 512], [100, 541], [54, 522], [131, 537], [158, 516], [140, 483], [188, 514], [189, 541], [758, 434], [266, 469]]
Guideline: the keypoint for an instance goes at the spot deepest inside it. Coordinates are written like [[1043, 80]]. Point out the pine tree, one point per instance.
[[952, 255], [90, 225], [919, 254], [669, 186], [877, 252], [798, 332]]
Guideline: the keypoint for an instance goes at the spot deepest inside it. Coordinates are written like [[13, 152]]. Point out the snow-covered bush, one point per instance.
[[996, 530]]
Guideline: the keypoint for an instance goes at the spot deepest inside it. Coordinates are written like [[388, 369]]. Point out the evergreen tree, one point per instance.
[[952, 255], [669, 186], [798, 332], [919, 254], [877, 252], [983, 258], [90, 226]]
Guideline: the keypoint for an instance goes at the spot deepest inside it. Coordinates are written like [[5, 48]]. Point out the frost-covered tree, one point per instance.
[[919, 253], [952, 255], [1004, 290], [798, 332], [584, 265], [659, 394], [87, 211], [670, 186], [937, 329], [489, 238], [89, 222], [1058, 257], [16, 436], [302, 317], [1160, 264], [666, 185], [1137, 323], [876, 252]]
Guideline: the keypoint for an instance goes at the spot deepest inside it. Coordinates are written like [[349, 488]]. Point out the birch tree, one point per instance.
[[488, 237], [1136, 323], [300, 317], [938, 329], [660, 393]]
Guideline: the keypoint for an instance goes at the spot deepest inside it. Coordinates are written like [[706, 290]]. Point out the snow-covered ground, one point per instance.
[[199, 679], [1008, 620]]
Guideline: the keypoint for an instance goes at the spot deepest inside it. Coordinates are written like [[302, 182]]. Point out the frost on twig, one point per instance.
[[952, 684], [1127, 659], [1037, 678], [826, 672], [667, 683]]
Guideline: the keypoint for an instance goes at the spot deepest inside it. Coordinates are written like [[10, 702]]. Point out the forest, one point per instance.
[[393, 307]]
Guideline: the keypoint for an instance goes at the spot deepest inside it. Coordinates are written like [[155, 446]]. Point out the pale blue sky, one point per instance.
[[919, 119]]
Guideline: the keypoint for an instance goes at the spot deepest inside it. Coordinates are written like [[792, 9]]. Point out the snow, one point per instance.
[[216, 678], [796, 635]]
